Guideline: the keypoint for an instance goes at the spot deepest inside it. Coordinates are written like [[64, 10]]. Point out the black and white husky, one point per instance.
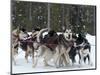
[[83, 48]]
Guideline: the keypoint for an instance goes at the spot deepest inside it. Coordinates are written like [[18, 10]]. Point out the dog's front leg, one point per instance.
[[27, 53], [57, 57], [66, 54], [45, 62], [67, 59], [61, 61], [33, 62], [26, 56], [89, 59], [81, 57], [14, 54], [14, 60]]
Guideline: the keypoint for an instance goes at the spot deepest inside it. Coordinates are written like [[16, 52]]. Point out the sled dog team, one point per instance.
[[61, 48]]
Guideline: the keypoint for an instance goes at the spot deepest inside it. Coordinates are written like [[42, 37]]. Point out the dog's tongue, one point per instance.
[[68, 36]]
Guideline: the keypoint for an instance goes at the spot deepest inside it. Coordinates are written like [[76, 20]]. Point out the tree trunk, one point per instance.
[[49, 17]]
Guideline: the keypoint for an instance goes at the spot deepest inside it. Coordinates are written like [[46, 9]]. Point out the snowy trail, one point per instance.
[[23, 67]]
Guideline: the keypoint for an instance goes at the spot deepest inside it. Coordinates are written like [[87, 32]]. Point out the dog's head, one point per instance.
[[68, 34], [35, 29], [51, 33], [80, 40]]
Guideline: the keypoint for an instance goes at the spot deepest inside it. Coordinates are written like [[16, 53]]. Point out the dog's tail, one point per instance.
[[39, 36]]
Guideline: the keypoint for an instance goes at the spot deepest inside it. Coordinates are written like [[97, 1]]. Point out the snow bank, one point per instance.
[[91, 39]]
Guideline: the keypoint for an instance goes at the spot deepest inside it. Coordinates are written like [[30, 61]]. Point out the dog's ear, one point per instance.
[[70, 30], [79, 35], [23, 29], [66, 31], [51, 32], [74, 36]]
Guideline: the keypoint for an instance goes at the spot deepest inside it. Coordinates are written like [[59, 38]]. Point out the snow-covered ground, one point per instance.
[[23, 67]]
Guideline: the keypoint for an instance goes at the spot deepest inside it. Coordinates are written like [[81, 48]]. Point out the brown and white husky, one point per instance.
[[52, 47]]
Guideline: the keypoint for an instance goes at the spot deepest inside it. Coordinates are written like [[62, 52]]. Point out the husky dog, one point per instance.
[[14, 44], [67, 45], [73, 50], [47, 45], [20, 38], [71, 38], [23, 35], [84, 49], [27, 43]]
